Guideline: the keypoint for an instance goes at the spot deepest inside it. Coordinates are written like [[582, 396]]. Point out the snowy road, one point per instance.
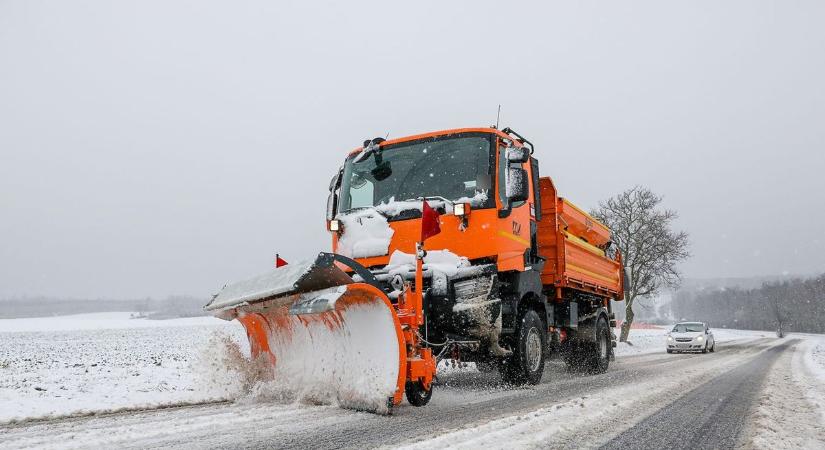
[[467, 410], [710, 416]]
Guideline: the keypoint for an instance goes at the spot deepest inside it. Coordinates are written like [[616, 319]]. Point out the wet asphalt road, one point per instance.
[[710, 416]]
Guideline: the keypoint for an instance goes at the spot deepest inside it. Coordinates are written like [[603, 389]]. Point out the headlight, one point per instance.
[[700, 339], [670, 339], [334, 225], [461, 209]]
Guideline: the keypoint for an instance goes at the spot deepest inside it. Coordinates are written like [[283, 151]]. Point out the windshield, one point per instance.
[[456, 167], [688, 328]]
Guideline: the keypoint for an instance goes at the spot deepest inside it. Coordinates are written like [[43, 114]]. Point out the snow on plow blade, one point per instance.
[[324, 337]]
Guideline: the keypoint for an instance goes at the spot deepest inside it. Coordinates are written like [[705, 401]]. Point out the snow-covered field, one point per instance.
[[106, 361]]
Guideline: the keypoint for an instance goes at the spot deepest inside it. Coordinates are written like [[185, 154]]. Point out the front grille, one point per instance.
[[473, 290], [684, 339]]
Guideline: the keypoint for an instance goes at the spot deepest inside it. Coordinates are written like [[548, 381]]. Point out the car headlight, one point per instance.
[[700, 339], [670, 338]]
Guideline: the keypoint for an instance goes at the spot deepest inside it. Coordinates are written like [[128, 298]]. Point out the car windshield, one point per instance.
[[456, 167], [688, 328]]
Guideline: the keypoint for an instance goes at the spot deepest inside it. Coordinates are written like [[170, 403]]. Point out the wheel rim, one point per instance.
[[602, 346], [533, 349]]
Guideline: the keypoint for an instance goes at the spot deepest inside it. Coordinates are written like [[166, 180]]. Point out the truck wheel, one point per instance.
[[526, 365], [588, 356], [417, 395], [598, 357]]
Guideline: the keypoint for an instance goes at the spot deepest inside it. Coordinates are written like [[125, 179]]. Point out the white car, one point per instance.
[[690, 337]]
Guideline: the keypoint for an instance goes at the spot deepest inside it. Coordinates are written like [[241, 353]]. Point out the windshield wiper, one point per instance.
[[362, 208], [432, 197]]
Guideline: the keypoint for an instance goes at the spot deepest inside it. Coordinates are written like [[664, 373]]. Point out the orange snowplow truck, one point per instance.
[[515, 273]]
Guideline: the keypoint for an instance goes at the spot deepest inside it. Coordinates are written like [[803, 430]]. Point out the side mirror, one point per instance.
[[335, 181], [332, 203], [518, 188], [517, 155], [332, 200]]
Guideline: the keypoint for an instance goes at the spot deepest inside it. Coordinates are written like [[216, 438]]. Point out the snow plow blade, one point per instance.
[[322, 337]]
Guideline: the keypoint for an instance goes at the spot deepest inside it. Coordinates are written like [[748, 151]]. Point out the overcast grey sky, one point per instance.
[[167, 147]]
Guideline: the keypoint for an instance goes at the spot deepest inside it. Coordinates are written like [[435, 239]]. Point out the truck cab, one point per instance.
[[466, 167]]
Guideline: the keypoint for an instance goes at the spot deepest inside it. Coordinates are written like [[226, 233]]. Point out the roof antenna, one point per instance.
[[498, 115]]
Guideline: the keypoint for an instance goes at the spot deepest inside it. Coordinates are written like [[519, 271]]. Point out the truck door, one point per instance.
[[516, 223]]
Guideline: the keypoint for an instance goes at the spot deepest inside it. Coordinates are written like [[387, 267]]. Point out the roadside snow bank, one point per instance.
[[809, 366], [123, 363], [782, 418], [648, 340]]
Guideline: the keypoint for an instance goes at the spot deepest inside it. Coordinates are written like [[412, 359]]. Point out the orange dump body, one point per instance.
[[581, 224], [571, 242]]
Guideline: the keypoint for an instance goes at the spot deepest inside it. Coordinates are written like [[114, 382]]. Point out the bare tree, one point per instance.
[[773, 296], [775, 303], [650, 249]]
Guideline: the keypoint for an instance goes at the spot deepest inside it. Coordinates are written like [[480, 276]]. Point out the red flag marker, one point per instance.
[[429, 222], [279, 262]]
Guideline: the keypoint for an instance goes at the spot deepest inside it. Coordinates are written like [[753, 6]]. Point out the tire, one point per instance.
[[417, 395], [705, 350], [713, 347], [598, 358], [590, 357], [669, 351], [526, 364]]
